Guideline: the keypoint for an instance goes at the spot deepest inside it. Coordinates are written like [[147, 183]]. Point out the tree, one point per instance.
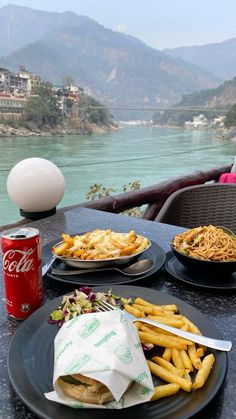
[[98, 191], [43, 107], [94, 111], [230, 119]]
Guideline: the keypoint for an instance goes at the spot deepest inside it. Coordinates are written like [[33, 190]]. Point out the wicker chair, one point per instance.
[[201, 205]]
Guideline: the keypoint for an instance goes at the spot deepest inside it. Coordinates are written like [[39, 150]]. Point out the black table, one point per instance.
[[219, 306]]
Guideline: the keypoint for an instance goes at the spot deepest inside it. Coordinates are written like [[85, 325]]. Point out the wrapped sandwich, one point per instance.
[[99, 362]]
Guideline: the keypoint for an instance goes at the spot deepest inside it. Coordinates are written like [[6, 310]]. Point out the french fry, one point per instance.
[[161, 340], [101, 244], [184, 327], [170, 367], [157, 312], [201, 351], [169, 377], [143, 245], [157, 332], [180, 356], [170, 321], [167, 354], [192, 353], [165, 390], [60, 250], [187, 376], [128, 250], [191, 326], [186, 360], [204, 371], [145, 309], [67, 239], [170, 307], [163, 312], [145, 327], [176, 358], [138, 325], [130, 309]]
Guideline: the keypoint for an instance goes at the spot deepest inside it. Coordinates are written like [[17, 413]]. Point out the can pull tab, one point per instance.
[[20, 234]]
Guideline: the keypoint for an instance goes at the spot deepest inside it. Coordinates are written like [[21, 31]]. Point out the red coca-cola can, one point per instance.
[[21, 253]]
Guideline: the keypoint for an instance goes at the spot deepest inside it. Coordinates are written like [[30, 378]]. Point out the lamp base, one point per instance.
[[37, 215]]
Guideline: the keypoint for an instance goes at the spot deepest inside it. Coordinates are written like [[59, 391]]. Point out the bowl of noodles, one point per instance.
[[206, 248]]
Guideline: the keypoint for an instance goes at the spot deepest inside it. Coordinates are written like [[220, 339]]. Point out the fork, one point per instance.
[[221, 345]]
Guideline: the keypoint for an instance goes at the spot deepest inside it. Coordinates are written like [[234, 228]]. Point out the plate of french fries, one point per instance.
[[98, 248], [186, 376]]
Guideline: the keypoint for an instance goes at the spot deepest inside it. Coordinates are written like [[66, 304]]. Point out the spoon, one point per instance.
[[137, 268]]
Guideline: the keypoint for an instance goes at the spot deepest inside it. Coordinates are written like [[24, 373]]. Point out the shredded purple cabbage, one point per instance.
[[148, 347], [86, 290]]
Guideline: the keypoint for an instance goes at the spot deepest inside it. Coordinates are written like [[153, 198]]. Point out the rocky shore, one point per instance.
[[59, 130]]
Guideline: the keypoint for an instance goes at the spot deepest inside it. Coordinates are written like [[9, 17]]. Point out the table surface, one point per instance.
[[218, 306]]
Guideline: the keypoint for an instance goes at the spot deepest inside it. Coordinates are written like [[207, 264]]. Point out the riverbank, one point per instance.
[[70, 128]]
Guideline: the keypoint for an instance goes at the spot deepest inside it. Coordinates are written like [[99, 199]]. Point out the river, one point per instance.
[[144, 153]]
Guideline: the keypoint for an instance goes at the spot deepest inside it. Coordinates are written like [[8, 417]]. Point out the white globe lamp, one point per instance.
[[36, 186]]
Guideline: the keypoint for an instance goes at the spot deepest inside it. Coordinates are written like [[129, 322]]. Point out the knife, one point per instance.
[[46, 267]]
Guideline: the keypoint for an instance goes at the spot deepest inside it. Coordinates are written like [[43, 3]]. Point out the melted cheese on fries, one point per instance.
[[101, 244]]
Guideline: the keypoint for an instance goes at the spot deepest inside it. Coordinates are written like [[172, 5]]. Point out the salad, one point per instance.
[[82, 301]]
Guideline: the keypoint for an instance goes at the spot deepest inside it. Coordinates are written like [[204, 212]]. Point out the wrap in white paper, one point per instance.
[[104, 346]]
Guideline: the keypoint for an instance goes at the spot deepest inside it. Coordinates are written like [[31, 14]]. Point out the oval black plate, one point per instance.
[[30, 366], [215, 281], [155, 252]]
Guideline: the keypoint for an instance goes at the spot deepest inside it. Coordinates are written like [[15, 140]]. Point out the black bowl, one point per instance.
[[200, 265]]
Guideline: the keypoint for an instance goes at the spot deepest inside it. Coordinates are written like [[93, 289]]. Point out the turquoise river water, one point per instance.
[[144, 153]]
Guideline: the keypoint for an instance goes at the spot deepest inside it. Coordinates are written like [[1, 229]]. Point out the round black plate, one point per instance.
[[155, 252], [30, 366], [210, 280]]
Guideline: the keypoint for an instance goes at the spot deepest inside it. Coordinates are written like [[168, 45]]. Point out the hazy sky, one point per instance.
[[159, 23]]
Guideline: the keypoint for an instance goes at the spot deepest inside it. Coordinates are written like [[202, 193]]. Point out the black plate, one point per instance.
[[30, 366], [155, 252], [215, 280]]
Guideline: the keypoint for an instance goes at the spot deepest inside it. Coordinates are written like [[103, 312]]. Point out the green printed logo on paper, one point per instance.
[[105, 339], [78, 405], [77, 362], [71, 322], [123, 353], [88, 328], [126, 322], [62, 349], [123, 319], [145, 391], [142, 376], [137, 345]]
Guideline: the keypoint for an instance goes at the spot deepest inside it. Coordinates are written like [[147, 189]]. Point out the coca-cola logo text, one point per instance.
[[24, 264]]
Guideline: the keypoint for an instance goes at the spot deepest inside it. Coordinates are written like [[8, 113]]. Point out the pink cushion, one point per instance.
[[228, 178]]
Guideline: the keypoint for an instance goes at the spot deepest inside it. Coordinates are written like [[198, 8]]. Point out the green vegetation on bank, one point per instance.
[[221, 98], [230, 119], [48, 109], [42, 109]]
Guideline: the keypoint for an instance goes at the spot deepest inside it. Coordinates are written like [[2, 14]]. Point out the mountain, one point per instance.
[[220, 98], [218, 58], [20, 25], [116, 68]]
